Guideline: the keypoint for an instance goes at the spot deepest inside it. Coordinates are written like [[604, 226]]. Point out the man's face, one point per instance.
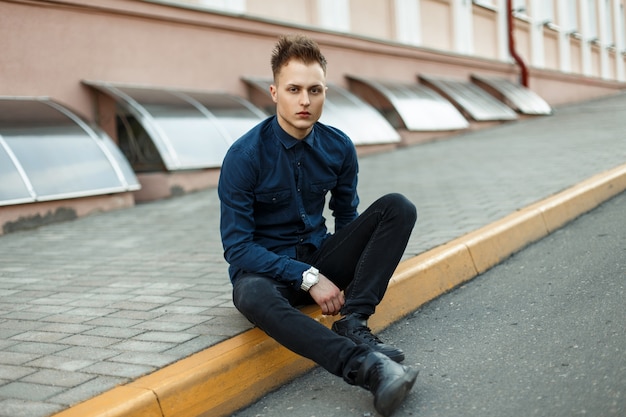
[[299, 93]]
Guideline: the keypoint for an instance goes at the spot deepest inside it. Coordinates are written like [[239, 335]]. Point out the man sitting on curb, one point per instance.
[[273, 186]]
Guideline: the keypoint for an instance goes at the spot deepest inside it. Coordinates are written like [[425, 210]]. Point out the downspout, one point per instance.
[[518, 59]]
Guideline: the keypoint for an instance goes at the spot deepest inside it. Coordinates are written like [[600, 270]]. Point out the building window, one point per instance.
[[622, 28], [234, 6], [592, 20], [334, 14], [520, 7], [408, 21], [545, 14], [571, 19]]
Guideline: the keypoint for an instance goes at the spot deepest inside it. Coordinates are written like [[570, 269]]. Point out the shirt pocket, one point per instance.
[[274, 199], [319, 189]]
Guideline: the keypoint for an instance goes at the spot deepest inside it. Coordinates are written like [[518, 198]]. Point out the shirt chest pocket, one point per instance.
[[275, 199], [319, 189]]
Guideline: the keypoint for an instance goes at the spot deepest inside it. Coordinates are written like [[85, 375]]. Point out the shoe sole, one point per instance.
[[400, 389]]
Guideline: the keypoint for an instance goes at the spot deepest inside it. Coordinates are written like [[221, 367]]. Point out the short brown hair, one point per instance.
[[298, 47]]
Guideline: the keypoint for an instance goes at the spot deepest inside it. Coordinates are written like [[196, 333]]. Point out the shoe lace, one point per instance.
[[364, 332]]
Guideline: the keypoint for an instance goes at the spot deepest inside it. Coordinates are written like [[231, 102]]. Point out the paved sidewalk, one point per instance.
[[97, 302]]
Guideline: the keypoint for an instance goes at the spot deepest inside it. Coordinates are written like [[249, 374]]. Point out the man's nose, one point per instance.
[[304, 99]]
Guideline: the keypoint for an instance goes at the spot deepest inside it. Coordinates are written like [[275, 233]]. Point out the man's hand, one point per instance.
[[328, 296]]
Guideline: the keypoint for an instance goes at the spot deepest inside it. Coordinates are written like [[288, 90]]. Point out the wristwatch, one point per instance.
[[310, 277]]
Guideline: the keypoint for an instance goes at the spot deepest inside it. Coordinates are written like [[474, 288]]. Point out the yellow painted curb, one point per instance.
[[228, 376], [122, 401]]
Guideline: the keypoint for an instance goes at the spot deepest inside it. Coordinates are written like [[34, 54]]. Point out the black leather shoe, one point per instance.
[[354, 327], [388, 381]]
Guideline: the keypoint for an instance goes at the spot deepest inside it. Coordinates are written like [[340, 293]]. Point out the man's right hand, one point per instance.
[[328, 296]]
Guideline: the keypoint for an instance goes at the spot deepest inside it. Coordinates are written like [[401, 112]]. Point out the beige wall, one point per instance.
[[485, 26], [372, 18], [437, 25]]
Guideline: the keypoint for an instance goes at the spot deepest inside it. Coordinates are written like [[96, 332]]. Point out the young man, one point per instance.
[[273, 186]]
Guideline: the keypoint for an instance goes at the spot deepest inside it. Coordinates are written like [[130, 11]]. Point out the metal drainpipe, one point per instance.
[[518, 59]]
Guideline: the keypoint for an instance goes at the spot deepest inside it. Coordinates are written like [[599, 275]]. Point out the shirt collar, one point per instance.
[[289, 141]]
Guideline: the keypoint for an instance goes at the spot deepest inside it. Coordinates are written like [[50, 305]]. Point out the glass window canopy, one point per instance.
[[49, 153], [411, 106], [190, 130], [471, 99], [522, 99], [342, 109]]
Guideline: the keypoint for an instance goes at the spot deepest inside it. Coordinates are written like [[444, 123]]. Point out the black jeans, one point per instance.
[[360, 259]]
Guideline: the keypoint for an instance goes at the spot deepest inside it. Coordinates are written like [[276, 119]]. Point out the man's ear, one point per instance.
[[273, 93]]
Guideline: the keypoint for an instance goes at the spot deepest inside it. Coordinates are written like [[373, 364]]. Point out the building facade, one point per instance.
[[153, 92]]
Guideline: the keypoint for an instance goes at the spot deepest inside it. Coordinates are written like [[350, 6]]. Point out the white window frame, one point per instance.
[[334, 15], [408, 21]]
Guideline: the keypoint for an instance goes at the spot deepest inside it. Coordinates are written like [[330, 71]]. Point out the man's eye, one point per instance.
[[315, 90], [293, 90]]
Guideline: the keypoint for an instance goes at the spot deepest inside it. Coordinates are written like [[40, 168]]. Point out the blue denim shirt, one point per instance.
[[273, 189]]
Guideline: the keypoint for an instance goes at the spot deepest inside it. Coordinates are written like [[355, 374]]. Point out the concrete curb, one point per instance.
[[234, 373]]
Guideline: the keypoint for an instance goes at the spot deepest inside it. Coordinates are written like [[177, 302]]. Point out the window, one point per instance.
[[408, 21], [545, 14], [592, 20], [519, 6], [234, 6], [571, 19], [174, 130], [334, 14], [48, 153], [621, 32], [609, 37]]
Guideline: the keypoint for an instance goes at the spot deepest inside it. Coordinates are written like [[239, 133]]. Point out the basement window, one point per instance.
[[410, 106], [48, 153], [167, 129]]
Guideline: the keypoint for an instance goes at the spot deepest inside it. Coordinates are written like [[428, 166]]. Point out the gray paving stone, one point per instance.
[[28, 391], [40, 348], [165, 326], [65, 328], [58, 378], [58, 362], [87, 390], [17, 358], [168, 337], [13, 372], [89, 353], [140, 346], [124, 370], [114, 332], [156, 360], [27, 408], [40, 336]]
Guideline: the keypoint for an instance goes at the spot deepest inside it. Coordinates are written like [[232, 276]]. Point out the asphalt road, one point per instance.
[[542, 334]]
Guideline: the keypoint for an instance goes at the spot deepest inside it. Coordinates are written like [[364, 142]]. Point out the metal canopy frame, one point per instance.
[[416, 107], [189, 129], [47, 153], [342, 109], [470, 99]]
